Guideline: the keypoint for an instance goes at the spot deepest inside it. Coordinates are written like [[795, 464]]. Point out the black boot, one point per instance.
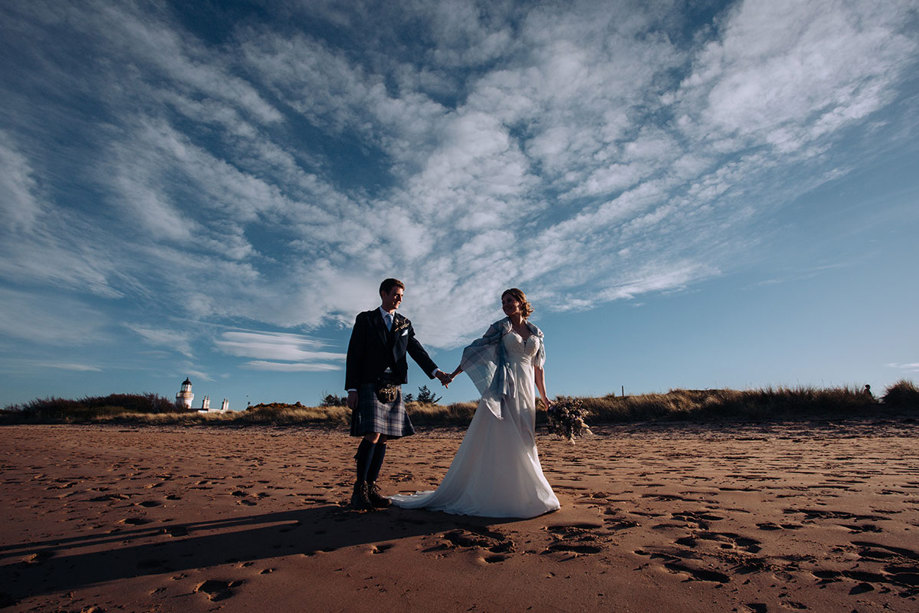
[[376, 499], [359, 499], [373, 471]]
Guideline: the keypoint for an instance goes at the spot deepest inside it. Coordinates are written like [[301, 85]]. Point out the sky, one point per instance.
[[692, 194]]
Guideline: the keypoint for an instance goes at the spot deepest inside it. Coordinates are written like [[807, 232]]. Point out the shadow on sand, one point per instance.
[[57, 565]]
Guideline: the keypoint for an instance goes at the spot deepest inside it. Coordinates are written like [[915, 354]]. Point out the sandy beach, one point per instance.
[[773, 517]]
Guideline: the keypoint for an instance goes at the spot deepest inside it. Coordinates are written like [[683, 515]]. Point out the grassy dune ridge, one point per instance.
[[718, 405]]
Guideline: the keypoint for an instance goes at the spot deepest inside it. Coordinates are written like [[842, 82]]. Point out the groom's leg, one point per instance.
[[376, 462], [373, 471], [363, 457]]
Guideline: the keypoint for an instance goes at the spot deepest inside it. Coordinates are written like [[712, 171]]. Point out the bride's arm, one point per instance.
[[493, 333], [541, 384]]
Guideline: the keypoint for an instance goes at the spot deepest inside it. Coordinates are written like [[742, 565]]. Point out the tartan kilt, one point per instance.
[[371, 415]]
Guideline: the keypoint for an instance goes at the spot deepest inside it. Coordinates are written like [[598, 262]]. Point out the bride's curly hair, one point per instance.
[[520, 297]]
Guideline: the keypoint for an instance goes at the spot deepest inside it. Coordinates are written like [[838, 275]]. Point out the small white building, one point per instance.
[[206, 406], [185, 396]]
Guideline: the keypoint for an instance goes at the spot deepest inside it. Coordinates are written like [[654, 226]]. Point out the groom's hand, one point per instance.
[[443, 377]]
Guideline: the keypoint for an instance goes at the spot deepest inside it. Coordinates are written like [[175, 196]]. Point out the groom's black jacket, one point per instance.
[[373, 349]]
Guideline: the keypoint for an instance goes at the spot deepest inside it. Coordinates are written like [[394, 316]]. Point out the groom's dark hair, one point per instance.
[[387, 285]]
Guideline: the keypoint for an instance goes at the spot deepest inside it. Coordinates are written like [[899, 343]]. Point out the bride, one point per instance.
[[496, 472]]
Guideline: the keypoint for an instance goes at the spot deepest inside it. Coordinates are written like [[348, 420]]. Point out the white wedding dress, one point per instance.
[[496, 472]]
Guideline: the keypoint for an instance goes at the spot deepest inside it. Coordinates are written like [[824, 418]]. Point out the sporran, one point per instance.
[[387, 392]]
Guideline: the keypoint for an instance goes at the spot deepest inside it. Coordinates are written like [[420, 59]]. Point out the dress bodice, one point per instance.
[[519, 350]]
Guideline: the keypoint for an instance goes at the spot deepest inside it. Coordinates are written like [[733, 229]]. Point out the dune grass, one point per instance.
[[716, 405], [734, 405]]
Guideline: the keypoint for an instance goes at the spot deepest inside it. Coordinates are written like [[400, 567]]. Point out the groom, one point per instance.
[[375, 370]]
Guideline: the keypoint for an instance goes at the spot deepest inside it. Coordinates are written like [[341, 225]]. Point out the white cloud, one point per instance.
[[189, 371], [335, 93], [19, 204], [291, 366], [73, 366], [62, 249], [49, 320], [163, 51], [786, 73], [173, 339], [910, 367], [277, 347]]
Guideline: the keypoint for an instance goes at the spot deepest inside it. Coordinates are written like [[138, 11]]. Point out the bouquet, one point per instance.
[[566, 418]]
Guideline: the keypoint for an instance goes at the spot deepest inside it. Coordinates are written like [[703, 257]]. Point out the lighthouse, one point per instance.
[[185, 396]]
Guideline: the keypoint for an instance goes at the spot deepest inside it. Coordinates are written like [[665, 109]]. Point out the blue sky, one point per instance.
[[693, 194]]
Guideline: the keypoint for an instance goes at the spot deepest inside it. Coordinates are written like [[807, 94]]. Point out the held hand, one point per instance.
[[352, 400], [444, 378]]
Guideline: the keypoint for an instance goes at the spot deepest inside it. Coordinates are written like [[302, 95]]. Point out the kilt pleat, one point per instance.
[[371, 415]]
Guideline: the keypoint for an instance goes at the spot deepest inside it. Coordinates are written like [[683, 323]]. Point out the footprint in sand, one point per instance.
[[856, 529], [217, 589], [575, 538], [729, 540], [700, 519], [687, 563], [901, 567], [39, 556], [770, 526], [109, 497], [616, 521], [243, 498], [877, 551], [810, 515], [667, 497], [176, 531], [475, 537], [381, 548], [698, 574], [892, 575]]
